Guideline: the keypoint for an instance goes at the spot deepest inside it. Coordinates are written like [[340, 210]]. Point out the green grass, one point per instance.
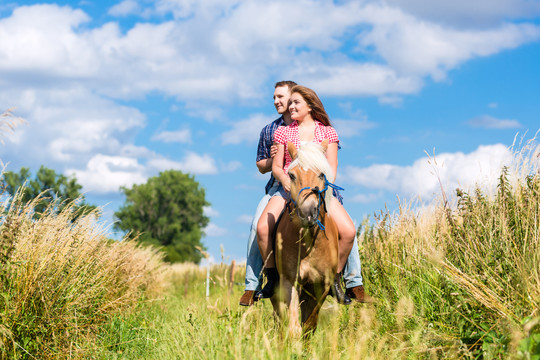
[[60, 281], [451, 282]]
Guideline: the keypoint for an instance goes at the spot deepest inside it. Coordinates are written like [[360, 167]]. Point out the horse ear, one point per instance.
[[324, 145], [292, 150]]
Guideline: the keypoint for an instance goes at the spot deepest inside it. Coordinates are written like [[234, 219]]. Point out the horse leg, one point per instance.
[[310, 307], [290, 297]]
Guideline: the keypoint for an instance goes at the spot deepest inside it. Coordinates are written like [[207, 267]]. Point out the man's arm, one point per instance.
[[265, 165]]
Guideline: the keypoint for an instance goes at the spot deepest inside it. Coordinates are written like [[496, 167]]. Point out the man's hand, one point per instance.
[[273, 150]]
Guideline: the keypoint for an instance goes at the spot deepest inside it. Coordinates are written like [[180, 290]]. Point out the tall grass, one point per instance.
[[61, 281], [472, 271], [451, 282]]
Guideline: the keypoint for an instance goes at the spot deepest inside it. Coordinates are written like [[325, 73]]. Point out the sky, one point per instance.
[[422, 93]]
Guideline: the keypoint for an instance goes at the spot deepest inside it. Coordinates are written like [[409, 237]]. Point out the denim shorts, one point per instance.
[[280, 191]]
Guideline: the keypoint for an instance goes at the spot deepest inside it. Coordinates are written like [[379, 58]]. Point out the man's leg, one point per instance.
[[352, 274], [254, 260]]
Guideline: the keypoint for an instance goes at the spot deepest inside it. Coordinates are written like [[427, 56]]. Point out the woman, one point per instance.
[[311, 124]]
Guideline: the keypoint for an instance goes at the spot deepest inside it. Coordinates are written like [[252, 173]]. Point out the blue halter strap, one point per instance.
[[319, 194]]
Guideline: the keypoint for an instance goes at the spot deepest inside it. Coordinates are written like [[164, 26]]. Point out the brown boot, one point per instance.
[[357, 293], [248, 298]]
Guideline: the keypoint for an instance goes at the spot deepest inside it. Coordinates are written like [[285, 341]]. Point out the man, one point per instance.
[[265, 154]]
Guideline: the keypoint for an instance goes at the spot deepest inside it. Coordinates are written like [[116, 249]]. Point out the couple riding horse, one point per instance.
[[307, 254]]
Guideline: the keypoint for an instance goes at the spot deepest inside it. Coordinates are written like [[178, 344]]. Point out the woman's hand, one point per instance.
[[286, 184]]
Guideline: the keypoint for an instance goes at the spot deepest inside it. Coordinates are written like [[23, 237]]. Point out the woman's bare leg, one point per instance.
[[265, 226], [346, 229]]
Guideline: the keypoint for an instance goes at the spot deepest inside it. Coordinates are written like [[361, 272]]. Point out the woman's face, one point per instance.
[[298, 107]]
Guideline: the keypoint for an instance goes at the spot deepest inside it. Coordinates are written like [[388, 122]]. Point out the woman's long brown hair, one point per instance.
[[317, 108]]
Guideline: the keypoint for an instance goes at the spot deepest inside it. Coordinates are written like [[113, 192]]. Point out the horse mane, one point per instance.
[[311, 156]]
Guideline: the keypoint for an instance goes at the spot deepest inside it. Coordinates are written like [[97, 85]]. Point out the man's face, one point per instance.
[[281, 99]]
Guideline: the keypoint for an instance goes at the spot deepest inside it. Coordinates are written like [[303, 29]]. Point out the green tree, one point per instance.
[[54, 188], [166, 211]]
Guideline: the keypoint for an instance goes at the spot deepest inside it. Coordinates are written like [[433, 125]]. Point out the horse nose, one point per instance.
[[311, 214]]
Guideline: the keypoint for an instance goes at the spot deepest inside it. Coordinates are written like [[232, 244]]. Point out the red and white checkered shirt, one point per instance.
[[290, 133]]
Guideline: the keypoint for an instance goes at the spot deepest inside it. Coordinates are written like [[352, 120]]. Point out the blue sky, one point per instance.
[[115, 92]]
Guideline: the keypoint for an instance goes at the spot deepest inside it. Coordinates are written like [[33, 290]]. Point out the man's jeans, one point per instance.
[[352, 272], [254, 261]]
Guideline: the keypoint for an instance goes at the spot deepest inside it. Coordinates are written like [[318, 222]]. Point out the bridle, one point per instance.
[[320, 198]]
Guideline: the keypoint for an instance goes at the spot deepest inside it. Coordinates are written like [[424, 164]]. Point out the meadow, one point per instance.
[[455, 279]]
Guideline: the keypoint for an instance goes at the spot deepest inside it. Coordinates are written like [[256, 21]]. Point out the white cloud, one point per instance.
[[180, 136], [231, 166], [213, 230], [68, 126], [246, 131], [352, 128], [417, 47], [192, 163], [489, 122], [365, 198], [106, 174], [470, 14], [357, 79], [245, 219], [125, 8], [227, 50], [456, 170], [210, 211]]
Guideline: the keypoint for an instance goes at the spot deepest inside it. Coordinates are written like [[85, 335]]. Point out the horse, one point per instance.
[[306, 250]]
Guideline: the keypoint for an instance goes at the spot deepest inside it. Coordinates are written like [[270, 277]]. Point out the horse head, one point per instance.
[[309, 185]]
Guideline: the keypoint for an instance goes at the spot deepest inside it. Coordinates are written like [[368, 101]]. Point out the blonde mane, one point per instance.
[[310, 156]]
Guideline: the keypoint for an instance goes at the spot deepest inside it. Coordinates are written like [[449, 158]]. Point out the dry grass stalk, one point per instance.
[[8, 123]]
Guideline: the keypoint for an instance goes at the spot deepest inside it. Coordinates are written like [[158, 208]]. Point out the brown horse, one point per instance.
[[306, 240]]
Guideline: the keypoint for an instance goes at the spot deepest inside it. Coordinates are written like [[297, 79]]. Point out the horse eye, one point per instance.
[[321, 176], [292, 177]]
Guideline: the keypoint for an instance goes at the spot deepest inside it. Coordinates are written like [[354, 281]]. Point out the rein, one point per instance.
[[320, 198]]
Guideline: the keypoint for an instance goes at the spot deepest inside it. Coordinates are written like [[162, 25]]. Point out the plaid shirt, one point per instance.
[[290, 133], [266, 140]]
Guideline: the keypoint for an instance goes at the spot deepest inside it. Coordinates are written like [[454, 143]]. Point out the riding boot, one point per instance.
[[337, 291], [272, 277]]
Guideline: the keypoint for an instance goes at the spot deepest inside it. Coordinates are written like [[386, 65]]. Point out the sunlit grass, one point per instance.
[[451, 282], [60, 280]]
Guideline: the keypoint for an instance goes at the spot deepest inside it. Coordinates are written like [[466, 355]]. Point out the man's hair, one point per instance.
[[287, 83]]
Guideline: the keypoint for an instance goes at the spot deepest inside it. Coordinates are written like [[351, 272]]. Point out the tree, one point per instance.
[[166, 211], [54, 188]]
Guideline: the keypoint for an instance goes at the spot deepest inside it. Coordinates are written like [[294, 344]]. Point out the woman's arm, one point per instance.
[[277, 167], [331, 156]]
